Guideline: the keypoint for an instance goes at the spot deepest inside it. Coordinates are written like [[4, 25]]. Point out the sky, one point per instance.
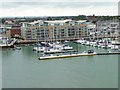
[[24, 8]]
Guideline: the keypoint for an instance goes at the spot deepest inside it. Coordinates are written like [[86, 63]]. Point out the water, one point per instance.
[[22, 69]]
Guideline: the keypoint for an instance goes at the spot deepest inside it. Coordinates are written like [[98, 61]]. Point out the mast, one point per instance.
[[78, 36]]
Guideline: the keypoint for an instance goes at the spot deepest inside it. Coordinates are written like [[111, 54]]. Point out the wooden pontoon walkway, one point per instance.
[[76, 55]]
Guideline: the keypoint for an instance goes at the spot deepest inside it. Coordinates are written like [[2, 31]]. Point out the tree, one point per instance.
[[2, 21]]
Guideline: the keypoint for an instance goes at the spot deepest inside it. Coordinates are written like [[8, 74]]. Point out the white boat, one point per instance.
[[66, 47], [61, 46], [109, 45], [41, 49], [103, 46], [83, 42], [99, 45], [55, 44], [87, 43], [92, 43], [79, 41], [95, 44], [53, 50], [115, 47], [6, 42], [114, 42], [66, 41]]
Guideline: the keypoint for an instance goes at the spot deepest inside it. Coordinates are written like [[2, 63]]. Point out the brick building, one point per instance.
[[15, 31]]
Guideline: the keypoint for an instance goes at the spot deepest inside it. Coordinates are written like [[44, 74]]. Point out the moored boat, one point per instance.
[[66, 47], [53, 50], [6, 42]]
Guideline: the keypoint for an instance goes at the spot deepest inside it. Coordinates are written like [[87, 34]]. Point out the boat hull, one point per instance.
[[12, 46]]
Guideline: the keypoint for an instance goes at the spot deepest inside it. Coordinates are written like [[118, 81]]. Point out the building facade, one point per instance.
[[54, 30], [15, 31]]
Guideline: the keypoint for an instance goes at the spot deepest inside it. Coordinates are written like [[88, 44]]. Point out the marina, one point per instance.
[[48, 53], [78, 71], [56, 50], [63, 44]]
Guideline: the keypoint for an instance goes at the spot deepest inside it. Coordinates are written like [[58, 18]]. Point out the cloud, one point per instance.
[[57, 8], [59, 0], [9, 5]]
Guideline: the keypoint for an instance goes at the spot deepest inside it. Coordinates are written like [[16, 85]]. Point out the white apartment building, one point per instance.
[[57, 29]]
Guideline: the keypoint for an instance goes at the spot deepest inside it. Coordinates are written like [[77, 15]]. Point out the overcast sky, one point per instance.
[[58, 7]]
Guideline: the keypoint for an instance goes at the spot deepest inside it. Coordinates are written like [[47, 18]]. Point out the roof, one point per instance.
[[81, 21], [83, 25], [36, 22], [59, 21]]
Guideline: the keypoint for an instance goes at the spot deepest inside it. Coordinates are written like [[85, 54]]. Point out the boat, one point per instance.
[[109, 45], [79, 41], [66, 47], [40, 48], [92, 43], [95, 44], [115, 47], [89, 53], [66, 41], [87, 43], [103, 46], [53, 50], [6, 42], [83, 42]]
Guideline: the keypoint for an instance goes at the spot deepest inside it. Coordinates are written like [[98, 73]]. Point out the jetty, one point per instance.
[[65, 56], [109, 53], [64, 51], [75, 55]]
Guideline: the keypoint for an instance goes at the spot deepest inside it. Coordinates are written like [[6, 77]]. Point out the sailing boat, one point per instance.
[[55, 47]]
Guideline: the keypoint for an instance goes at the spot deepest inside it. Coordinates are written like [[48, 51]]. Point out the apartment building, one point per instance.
[[26, 31], [54, 30]]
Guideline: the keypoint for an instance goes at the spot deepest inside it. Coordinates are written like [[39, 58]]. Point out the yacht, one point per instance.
[[83, 42], [40, 48], [53, 50], [79, 41], [109, 45], [115, 47], [87, 43], [6, 42], [66, 47]]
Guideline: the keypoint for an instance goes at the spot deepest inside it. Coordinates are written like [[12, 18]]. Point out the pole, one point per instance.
[[119, 33]]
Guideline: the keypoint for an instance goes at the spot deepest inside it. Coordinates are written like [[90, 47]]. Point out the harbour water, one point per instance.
[[22, 69]]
